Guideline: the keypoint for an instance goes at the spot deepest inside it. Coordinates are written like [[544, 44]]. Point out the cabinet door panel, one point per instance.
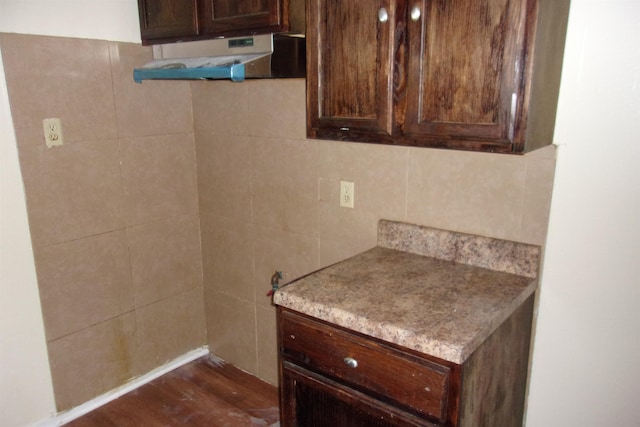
[[220, 16], [468, 69], [164, 19], [311, 400], [349, 66]]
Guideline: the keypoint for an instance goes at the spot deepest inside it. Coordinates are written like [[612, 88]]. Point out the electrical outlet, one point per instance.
[[346, 194], [52, 132]]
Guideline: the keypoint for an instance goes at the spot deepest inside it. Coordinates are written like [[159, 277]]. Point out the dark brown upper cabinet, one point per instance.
[[167, 19], [349, 68], [164, 21], [466, 74], [220, 16]]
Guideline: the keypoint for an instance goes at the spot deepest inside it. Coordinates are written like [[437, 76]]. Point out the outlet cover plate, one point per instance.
[[346, 194]]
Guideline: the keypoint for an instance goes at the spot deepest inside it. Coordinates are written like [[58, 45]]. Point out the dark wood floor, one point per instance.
[[202, 393]]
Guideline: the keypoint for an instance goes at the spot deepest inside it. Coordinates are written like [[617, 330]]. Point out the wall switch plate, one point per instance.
[[52, 132], [346, 194]]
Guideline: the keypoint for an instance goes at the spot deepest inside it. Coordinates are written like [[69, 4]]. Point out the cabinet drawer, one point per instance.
[[392, 375]]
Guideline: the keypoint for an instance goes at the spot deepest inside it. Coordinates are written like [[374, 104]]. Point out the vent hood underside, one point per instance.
[[259, 56]]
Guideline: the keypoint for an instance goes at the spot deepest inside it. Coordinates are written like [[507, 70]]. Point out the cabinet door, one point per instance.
[[311, 400], [167, 19], [466, 67], [229, 16], [349, 63]]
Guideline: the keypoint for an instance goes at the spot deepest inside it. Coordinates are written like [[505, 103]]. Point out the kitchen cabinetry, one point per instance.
[[163, 21], [466, 74], [429, 328], [167, 20], [330, 375], [349, 69]]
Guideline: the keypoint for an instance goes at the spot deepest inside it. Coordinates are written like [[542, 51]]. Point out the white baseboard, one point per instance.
[[70, 415]]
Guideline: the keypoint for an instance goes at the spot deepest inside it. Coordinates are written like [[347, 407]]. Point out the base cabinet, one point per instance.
[[331, 376]]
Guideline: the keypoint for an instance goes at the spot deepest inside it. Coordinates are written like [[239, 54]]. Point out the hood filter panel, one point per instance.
[[216, 67]]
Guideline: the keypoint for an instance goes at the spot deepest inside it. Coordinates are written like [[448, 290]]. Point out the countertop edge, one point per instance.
[[487, 254], [409, 339]]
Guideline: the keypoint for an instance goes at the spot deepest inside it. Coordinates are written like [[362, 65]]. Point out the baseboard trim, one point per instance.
[[70, 415]]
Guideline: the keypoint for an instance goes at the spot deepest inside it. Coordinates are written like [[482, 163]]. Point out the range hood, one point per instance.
[[276, 55]]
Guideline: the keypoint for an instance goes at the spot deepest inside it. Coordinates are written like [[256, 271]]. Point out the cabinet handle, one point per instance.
[[415, 13], [351, 362], [383, 15]]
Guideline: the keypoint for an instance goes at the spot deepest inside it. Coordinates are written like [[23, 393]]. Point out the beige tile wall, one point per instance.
[[269, 201], [113, 212]]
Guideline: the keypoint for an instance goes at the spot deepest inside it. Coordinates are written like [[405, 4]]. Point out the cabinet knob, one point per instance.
[[383, 15], [351, 362], [415, 13]]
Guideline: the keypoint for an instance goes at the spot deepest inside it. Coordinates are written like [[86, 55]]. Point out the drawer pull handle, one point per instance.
[[383, 15], [415, 13], [351, 362]]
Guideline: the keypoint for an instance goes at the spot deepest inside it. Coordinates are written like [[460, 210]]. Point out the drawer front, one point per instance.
[[408, 381]]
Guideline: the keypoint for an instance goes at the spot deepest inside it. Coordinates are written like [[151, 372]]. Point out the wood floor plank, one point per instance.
[[205, 392], [247, 392]]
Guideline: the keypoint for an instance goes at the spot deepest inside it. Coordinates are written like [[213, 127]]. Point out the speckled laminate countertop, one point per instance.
[[419, 288]]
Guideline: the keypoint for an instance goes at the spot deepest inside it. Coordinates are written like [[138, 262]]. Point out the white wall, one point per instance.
[[26, 393], [585, 370], [586, 364], [115, 20]]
